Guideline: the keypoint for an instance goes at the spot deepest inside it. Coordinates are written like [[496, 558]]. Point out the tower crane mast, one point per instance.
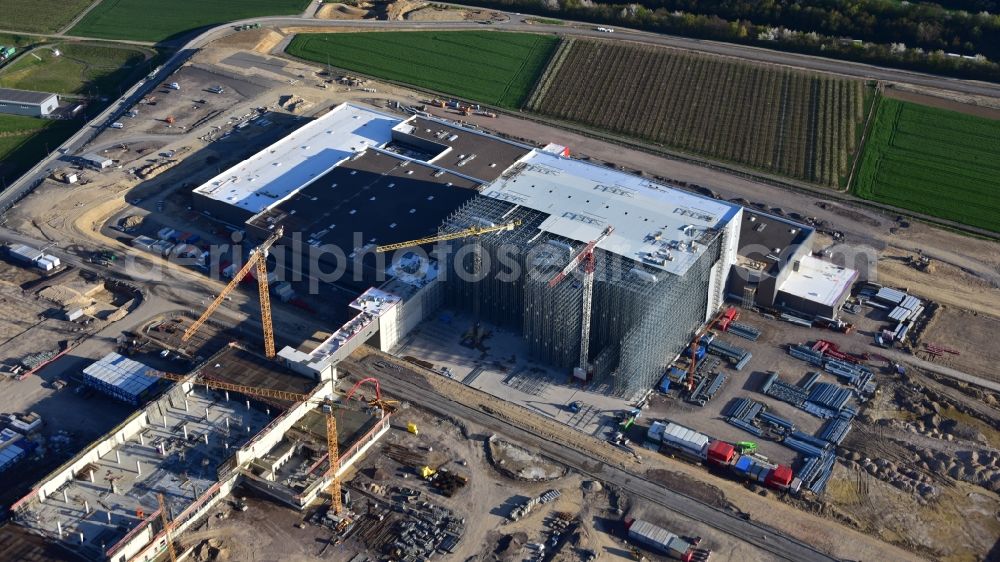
[[258, 260], [332, 443], [584, 257]]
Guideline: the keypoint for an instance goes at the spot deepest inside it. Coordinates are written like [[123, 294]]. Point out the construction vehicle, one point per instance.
[[628, 418], [258, 260], [471, 231], [746, 447], [585, 257], [167, 527], [695, 352], [327, 404], [386, 406], [731, 315]]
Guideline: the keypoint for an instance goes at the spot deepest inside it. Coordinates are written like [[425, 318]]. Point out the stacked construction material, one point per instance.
[[707, 388], [830, 395], [744, 331], [742, 413], [806, 354], [778, 422], [736, 355], [857, 376], [786, 392], [795, 443], [835, 430], [796, 320], [816, 471]]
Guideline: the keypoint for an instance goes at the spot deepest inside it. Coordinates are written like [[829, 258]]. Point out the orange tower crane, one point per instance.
[[328, 406], [258, 260], [167, 527], [695, 344]]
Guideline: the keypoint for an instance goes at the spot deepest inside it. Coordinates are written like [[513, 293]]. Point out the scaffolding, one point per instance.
[[642, 317]]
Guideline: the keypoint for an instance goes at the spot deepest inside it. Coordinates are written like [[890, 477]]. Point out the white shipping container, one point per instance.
[[685, 438], [44, 264], [650, 535], [143, 243], [655, 432]]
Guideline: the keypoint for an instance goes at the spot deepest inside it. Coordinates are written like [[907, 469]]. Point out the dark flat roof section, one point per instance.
[[760, 230], [239, 366], [23, 96], [382, 197], [471, 153]]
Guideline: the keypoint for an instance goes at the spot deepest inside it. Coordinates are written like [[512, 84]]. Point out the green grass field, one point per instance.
[[39, 16], [488, 66], [25, 140], [19, 41], [82, 68], [157, 20], [933, 161]]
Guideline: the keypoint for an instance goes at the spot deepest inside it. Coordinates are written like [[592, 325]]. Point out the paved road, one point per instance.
[[395, 381], [517, 22], [940, 369], [514, 22], [79, 17]]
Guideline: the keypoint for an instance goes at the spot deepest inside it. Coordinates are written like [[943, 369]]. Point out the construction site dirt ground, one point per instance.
[[269, 531], [910, 433], [809, 524], [33, 328], [31, 324], [969, 332], [72, 418]]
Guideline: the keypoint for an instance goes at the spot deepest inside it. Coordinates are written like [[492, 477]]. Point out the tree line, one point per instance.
[[920, 36]]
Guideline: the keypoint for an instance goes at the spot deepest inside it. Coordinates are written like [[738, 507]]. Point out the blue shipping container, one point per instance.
[[743, 465], [665, 384]]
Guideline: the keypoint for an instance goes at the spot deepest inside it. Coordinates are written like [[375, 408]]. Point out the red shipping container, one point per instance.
[[780, 477], [720, 452]]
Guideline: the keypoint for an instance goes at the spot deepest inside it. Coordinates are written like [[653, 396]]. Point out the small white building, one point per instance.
[[96, 161], [25, 102], [120, 377]]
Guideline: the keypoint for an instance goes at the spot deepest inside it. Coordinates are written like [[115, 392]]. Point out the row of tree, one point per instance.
[[928, 26], [958, 62]]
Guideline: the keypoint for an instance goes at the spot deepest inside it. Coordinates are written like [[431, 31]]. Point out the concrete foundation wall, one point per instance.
[[395, 324], [356, 452], [50, 484], [144, 546], [271, 435]]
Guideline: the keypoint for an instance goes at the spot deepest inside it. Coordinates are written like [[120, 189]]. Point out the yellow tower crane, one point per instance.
[[332, 443], [167, 527], [258, 260], [471, 231]]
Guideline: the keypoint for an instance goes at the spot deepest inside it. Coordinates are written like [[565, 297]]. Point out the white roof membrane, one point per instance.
[[653, 223], [275, 173]]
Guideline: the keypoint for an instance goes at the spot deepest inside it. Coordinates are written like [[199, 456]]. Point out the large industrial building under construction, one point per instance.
[[191, 447], [356, 178]]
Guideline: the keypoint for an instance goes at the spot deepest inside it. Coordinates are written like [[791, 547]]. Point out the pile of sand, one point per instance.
[[341, 12]]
